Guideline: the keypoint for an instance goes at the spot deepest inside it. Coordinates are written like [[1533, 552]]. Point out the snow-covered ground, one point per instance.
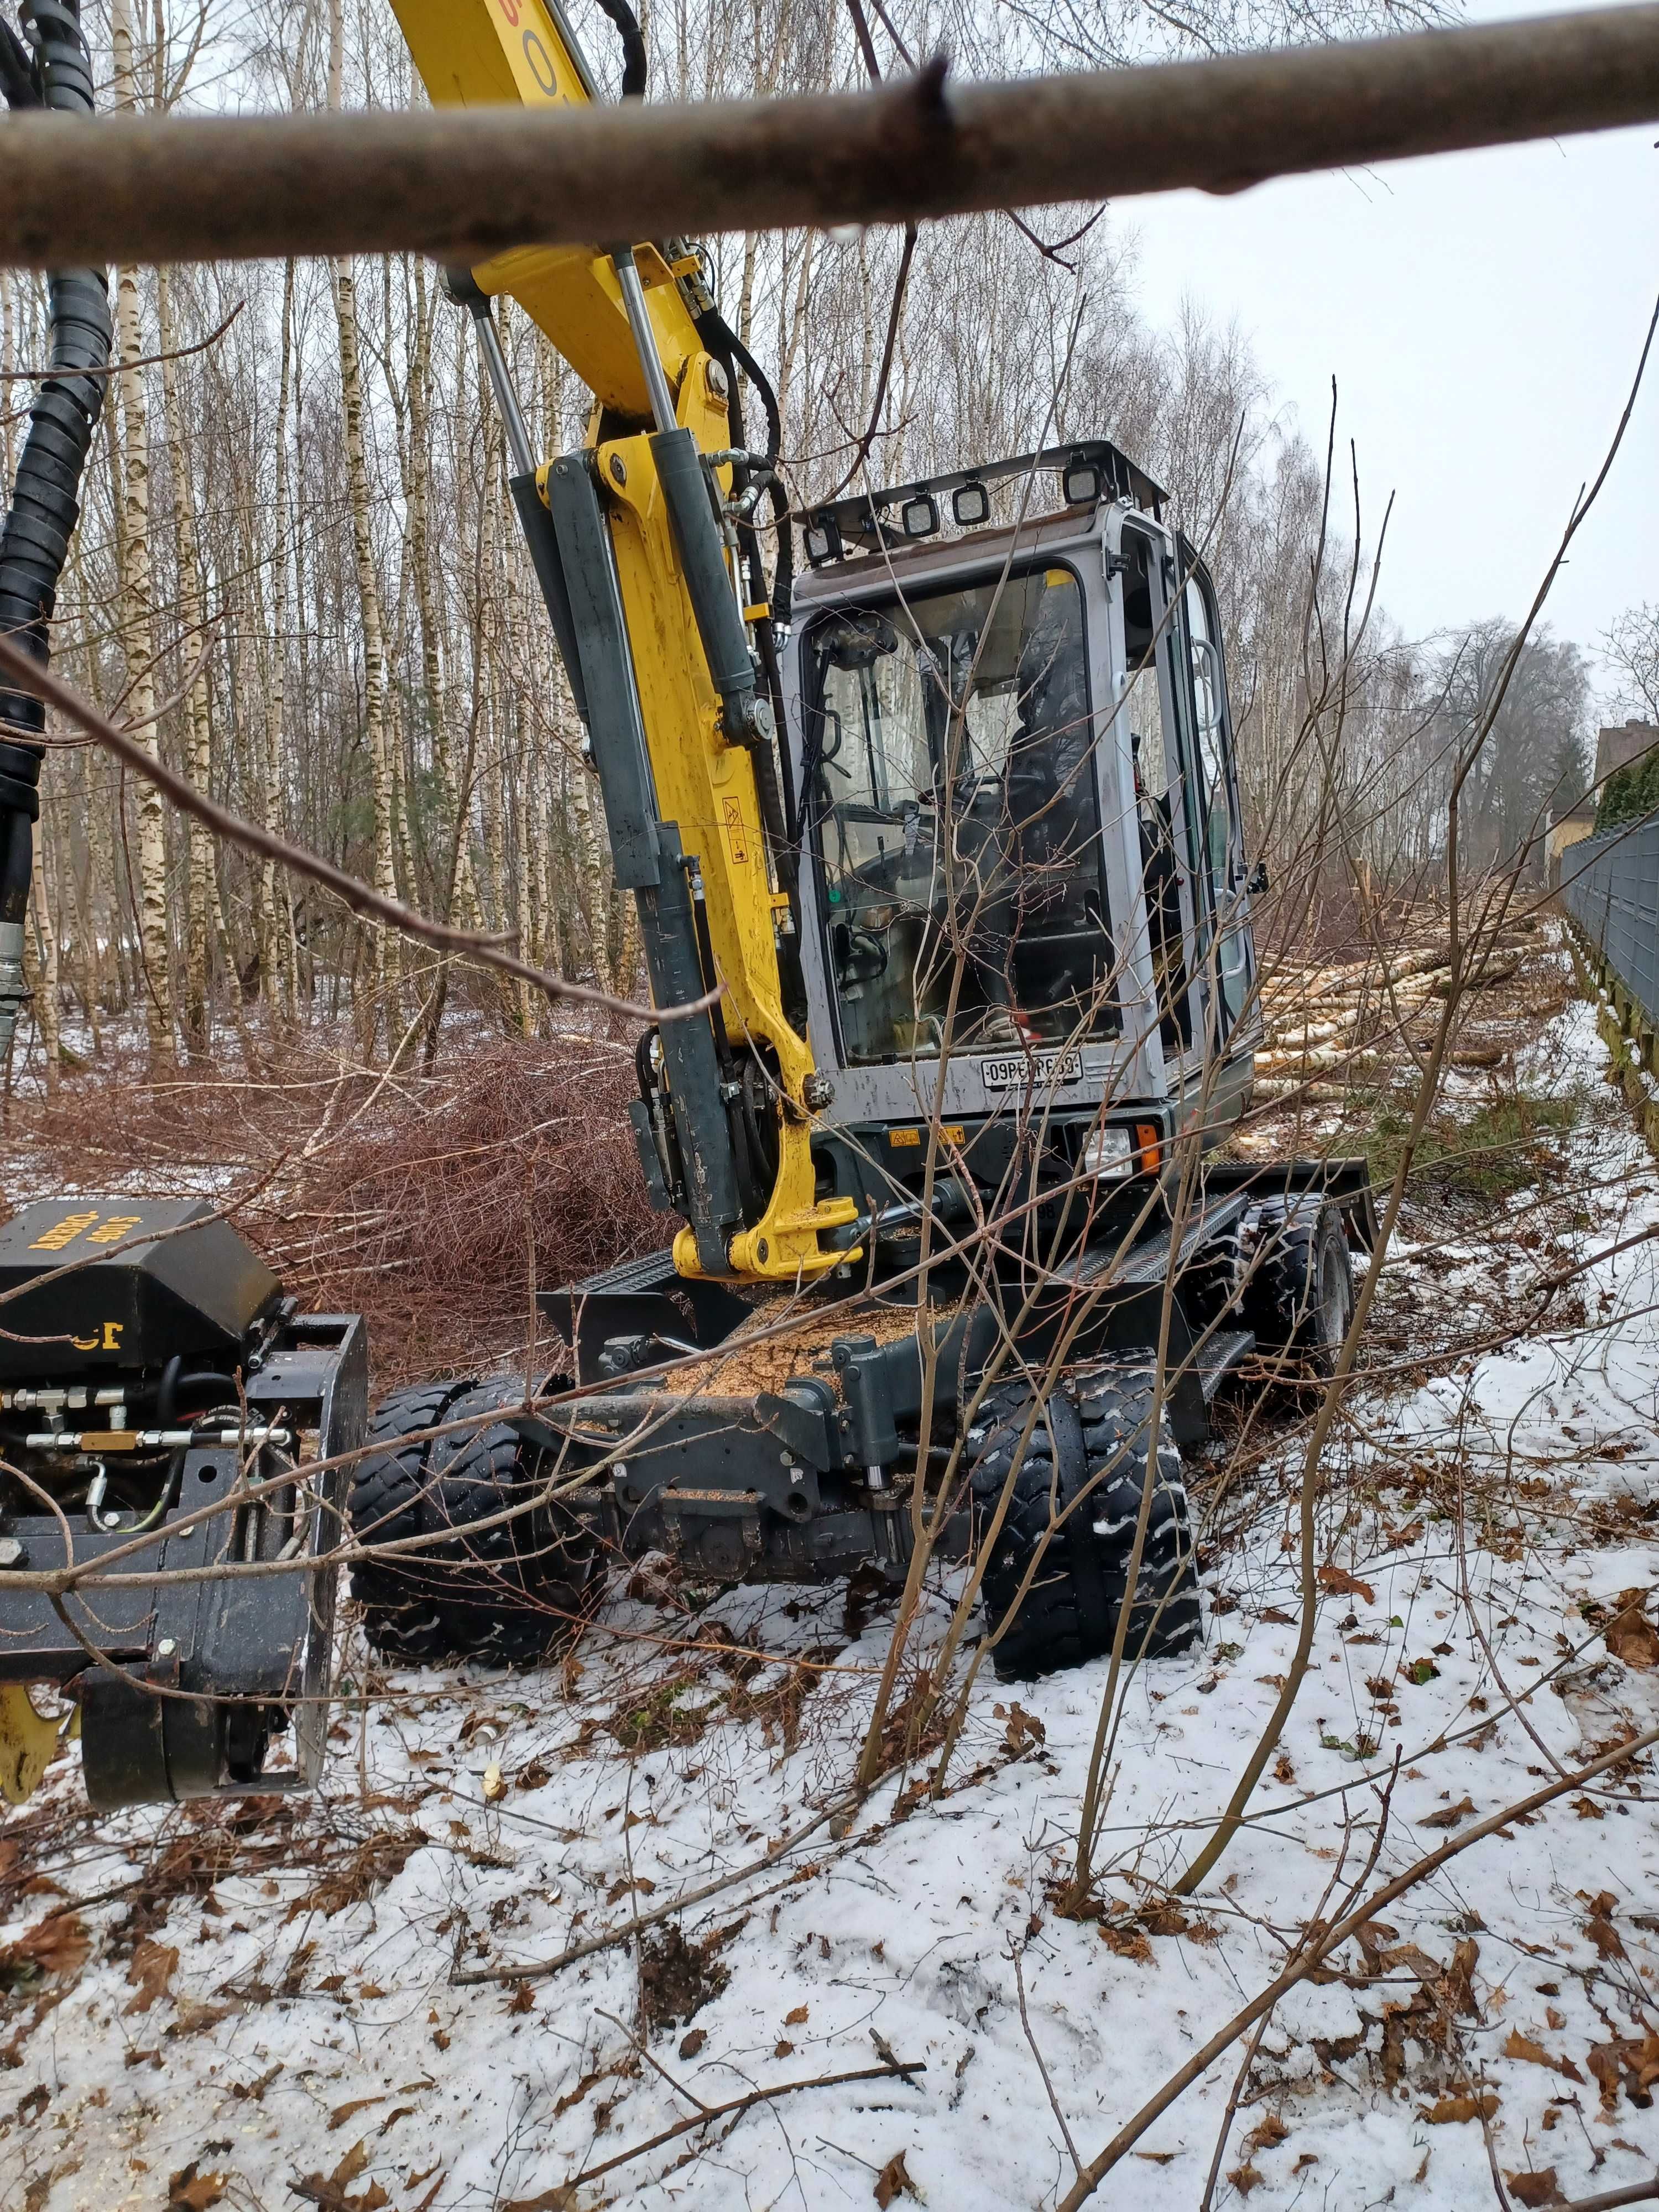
[[260, 2003]]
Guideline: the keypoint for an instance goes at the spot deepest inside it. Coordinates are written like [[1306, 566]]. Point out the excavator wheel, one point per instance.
[[1299, 1298], [503, 1593], [1090, 1442]]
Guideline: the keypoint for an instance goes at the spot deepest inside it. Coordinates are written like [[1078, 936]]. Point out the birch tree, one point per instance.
[[137, 607]]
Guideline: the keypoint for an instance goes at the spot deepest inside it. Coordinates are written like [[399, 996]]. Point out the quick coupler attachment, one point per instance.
[[168, 1538]]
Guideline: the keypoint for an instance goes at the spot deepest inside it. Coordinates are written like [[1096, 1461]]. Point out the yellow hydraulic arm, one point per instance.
[[623, 318]]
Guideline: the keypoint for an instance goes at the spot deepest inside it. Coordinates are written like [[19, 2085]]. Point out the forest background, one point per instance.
[[298, 574]]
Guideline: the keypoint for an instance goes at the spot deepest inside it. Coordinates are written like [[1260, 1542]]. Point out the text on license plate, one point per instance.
[[1014, 1070]]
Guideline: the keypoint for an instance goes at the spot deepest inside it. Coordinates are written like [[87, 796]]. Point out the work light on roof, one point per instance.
[[970, 503], [822, 538], [1081, 484], [919, 517]]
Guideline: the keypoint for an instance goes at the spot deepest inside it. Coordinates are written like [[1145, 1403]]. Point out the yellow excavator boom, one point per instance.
[[650, 373]]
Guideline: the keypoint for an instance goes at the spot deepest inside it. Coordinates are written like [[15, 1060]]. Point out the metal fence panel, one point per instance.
[[1610, 886]]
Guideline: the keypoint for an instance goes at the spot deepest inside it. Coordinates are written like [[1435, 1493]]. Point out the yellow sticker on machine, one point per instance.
[[107, 1228], [63, 1232]]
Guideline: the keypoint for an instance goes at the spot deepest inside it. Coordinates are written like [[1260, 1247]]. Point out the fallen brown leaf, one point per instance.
[[190, 2192], [56, 1945], [153, 1967], [692, 2042], [1339, 1582], [351, 2164], [1449, 2110], [331, 2191], [1523, 2046], [893, 2180], [341, 2113], [1449, 1815], [1599, 1927], [1244, 2178], [1164, 1918], [560, 2198], [1265, 2133], [194, 2019], [1533, 2189], [1631, 1636], [1625, 2061], [797, 2018], [1127, 1943]]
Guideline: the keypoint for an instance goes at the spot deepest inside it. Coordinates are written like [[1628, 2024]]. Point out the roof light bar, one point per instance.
[[1088, 471]]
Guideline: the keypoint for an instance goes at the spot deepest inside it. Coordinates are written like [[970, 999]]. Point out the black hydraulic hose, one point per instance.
[[633, 46], [45, 505], [724, 343], [175, 1382], [729, 349]]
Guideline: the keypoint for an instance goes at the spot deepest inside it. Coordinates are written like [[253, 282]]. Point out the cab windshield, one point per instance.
[[951, 770]]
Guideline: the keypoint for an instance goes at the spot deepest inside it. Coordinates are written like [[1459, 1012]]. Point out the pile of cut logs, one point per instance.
[[1329, 1030]]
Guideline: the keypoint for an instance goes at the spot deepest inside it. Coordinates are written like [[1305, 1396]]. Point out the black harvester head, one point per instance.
[[157, 1393]]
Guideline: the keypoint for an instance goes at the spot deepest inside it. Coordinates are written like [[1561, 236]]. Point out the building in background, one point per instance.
[[1628, 752], [1618, 747]]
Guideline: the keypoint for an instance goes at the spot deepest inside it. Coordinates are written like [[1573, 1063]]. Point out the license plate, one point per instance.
[[1015, 1070]]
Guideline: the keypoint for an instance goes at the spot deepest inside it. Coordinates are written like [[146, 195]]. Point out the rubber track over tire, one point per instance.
[[1091, 1433], [387, 1490], [496, 1594]]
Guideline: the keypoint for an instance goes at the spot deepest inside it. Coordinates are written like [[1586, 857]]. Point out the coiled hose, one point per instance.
[[53, 71]]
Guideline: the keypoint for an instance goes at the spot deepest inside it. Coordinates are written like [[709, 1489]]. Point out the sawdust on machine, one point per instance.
[[754, 1359]]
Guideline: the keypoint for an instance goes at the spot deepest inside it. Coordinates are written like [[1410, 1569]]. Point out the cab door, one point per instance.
[[1214, 800], [1156, 725]]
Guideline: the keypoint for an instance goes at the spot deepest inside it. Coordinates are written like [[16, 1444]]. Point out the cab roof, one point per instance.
[[903, 516]]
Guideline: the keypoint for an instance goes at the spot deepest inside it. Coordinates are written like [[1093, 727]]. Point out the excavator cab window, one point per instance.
[[1223, 826], [953, 780]]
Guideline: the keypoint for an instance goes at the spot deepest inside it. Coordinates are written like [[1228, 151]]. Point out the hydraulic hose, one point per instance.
[[633, 46], [729, 349], [54, 71]]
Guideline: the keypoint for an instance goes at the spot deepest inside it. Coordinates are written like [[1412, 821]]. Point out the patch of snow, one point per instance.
[[297, 2040]]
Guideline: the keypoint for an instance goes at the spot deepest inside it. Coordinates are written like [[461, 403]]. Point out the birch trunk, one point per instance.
[[278, 963], [461, 895], [137, 614], [383, 963], [202, 898]]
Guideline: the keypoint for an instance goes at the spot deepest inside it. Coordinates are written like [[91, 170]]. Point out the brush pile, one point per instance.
[[430, 1203]]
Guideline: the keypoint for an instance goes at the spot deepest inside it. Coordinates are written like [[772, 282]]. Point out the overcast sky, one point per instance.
[[1482, 314]]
